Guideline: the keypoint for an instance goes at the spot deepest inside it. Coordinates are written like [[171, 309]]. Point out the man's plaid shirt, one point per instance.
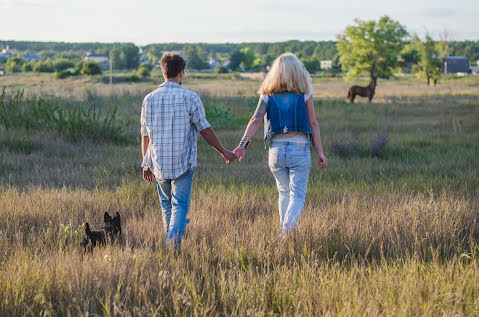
[[171, 116]]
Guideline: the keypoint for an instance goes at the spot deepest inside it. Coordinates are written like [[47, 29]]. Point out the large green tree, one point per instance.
[[429, 64], [371, 46]]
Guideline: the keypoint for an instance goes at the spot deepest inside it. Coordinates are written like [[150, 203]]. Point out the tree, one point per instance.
[[371, 46], [61, 64], [429, 65], [144, 71], [196, 57], [45, 66], [125, 57], [91, 68], [235, 60], [248, 58], [13, 65], [312, 64]]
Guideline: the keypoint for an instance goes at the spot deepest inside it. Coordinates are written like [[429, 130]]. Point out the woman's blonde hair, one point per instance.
[[287, 74]]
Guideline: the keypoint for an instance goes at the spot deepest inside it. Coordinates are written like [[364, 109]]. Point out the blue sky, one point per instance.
[[218, 21]]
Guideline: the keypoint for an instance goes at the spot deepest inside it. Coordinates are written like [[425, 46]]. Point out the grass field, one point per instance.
[[394, 234]]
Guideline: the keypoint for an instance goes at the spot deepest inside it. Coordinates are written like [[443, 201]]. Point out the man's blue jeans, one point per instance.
[[175, 196], [290, 163]]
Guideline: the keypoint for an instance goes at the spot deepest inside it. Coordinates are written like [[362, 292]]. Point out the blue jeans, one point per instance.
[[290, 163], [175, 197]]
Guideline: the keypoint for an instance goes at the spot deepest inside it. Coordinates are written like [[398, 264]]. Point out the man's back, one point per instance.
[[171, 116]]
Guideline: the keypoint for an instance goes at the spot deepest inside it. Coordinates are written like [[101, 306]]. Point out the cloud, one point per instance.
[[24, 4], [428, 12]]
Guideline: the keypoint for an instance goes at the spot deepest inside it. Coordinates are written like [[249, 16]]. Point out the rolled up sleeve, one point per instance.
[[144, 110], [198, 115]]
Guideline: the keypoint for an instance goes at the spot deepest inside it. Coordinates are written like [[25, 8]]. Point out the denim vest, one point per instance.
[[286, 112]]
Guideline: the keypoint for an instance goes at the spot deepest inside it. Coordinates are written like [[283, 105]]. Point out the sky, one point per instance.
[[225, 21]]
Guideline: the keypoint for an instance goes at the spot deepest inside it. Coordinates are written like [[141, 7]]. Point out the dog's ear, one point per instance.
[[106, 217], [117, 216], [87, 229]]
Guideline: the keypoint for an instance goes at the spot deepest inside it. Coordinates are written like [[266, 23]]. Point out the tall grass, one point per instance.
[[381, 235], [74, 121]]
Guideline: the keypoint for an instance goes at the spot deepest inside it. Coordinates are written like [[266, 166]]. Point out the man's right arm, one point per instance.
[[210, 137], [145, 141]]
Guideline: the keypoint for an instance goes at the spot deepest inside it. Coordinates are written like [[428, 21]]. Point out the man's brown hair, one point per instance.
[[172, 64]]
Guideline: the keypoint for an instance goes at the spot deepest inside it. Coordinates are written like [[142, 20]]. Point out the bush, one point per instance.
[[90, 68], [13, 65], [27, 67], [63, 74], [45, 66], [222, 70], [218, 115], [61, 64], [133, 77], [143, 72]]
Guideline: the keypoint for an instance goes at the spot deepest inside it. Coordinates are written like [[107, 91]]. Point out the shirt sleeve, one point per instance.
[[306, 96], [198, 115], [143, 130]]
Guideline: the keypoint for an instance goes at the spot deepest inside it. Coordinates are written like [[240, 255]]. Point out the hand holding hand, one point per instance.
[[322, 160], [148, 175], [239, 152], [228, 156]]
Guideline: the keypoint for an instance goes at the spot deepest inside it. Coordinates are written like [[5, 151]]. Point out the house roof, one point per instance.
[[457, 57]]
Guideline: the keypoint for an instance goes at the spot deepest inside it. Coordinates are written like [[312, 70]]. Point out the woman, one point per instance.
[[290, 123]]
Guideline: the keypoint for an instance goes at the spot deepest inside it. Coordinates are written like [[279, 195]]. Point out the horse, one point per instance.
[[367, 91]]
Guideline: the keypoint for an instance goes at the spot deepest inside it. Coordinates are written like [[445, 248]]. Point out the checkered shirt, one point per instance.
[[171, 116]]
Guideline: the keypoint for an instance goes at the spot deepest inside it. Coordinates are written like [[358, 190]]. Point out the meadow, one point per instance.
[[382, 234]]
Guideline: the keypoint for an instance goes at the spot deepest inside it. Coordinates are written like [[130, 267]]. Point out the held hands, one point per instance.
[[228, 156], [239, 152]]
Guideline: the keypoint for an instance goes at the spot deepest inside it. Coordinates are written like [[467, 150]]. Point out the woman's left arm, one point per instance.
[[250, 130], [313, 123]]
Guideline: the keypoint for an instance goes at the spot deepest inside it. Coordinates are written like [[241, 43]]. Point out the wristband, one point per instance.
[[244, 142]]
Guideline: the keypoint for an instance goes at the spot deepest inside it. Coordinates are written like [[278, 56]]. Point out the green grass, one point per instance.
[[389, 235]]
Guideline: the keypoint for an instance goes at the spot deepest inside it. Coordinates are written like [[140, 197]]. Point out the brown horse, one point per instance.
[[367, 91]]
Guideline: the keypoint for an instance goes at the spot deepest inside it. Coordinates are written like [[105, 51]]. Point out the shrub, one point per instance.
[[218, 115], [144, 72], [45, 66], [63, 74], [90, 68], [13, 65], [61, 64], [133, 77], [222, 70], [28, 66]]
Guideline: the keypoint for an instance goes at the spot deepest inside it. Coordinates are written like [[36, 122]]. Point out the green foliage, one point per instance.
[[144, 71], [13, 65], [133, 77], [196, 57], [221, 70], [20, 144], [235, 60], [91, 68], [45, 66], [218, 115], [371, 46], [125, 57], [71, 120], [312, 64], [429, 65], [28, 66], [247, 58], [61, 64], [63, 74]]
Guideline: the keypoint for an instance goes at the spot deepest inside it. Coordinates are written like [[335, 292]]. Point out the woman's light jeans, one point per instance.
[[290, 163]]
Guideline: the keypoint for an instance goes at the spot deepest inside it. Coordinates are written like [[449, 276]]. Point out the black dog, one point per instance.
[[110, 232]]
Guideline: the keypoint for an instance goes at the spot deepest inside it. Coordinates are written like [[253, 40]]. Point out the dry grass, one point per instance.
[[389, 235]]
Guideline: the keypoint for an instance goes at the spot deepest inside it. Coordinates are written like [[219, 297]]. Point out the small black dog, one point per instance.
[[110, 232]]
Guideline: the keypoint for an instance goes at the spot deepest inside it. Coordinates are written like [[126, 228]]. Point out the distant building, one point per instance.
[[326, 64], [474, 69], [2, 71], [456, 64], [103, 60], [32, 57]]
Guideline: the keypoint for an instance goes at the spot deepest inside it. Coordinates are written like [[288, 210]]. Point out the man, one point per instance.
[[170, 118]]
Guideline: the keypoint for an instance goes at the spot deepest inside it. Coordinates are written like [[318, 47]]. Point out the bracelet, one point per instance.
[[244, 142]]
